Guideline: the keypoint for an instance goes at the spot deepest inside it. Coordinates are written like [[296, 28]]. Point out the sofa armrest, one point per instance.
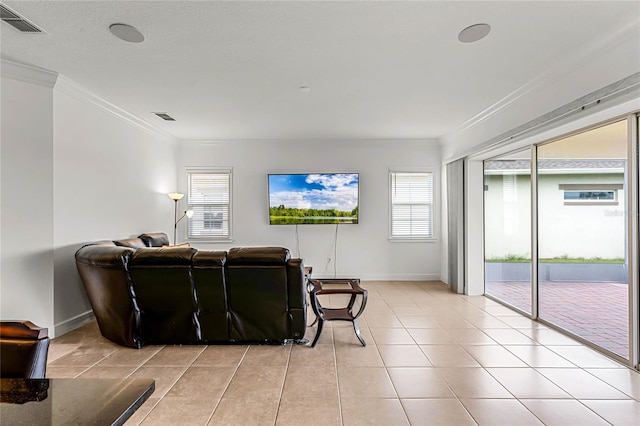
[[296, 284], [104, 273]]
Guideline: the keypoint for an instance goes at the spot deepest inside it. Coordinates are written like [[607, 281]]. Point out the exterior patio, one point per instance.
[[595, 311]]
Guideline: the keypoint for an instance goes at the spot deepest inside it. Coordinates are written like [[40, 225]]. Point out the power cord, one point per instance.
[[298, 242], [335, 252]]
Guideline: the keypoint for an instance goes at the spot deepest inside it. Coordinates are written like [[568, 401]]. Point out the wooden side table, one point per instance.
[[350, 286]]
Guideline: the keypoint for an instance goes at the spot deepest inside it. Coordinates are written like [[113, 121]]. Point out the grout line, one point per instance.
[[335, 366], [284, 380], [215, 407]]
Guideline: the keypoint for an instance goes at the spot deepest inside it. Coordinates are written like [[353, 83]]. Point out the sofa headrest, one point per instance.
[[205, 258], [258, 255], [163, 256], [101, 243], [154, 239], [104, 255], [134, 243]]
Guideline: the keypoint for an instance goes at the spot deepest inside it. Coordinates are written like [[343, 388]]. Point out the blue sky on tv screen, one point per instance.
[[314, 191]]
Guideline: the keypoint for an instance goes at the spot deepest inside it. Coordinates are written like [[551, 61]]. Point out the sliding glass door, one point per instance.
[[583, 236], [585, 231], [507, 212]]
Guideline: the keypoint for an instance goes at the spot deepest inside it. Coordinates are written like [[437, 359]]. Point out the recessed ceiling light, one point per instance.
[[126, 32], [474, 33], [304, 89]]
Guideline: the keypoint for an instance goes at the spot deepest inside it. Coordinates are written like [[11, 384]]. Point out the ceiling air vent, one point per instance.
[[165, 116], [17, 21]]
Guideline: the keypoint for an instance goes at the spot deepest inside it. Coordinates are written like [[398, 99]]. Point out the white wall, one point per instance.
[[111, 178], [364, 249], [74, 169], [26, 153], [507, 215], [579, 230]]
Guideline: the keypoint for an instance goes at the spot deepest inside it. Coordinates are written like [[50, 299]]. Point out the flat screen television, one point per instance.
[[314, 198]]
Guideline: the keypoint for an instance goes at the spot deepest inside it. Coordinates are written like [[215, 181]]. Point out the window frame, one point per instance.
[[597, 187], [414, 238], [210, 238]]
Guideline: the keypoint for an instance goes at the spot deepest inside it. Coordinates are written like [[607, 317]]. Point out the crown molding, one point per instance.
[[28, 73], [71, 88]]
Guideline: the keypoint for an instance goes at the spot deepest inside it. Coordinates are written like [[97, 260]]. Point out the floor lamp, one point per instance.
[[175, 196]]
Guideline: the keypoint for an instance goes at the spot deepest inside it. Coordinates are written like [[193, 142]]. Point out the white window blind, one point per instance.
[[209, 198], [411, 204]]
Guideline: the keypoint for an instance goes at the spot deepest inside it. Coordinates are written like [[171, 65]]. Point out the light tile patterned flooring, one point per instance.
[[432, 358]]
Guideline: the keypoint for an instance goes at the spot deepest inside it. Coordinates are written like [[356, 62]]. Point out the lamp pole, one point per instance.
[[175, 222], [175, 196]]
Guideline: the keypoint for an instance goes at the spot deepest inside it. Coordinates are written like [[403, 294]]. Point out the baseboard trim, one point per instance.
[[365, 277], [72, 323]]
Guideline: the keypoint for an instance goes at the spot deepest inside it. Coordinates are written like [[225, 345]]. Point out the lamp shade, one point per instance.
[[175, 196], [189, 213]]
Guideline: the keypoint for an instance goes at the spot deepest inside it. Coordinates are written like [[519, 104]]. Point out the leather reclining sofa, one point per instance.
[[144, 291]]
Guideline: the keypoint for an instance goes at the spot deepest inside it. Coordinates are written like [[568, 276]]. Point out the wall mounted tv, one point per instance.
[[314, 198]]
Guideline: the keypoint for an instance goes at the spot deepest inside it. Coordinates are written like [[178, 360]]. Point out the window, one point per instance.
[[411, 205], [593, 194], [589, 195], [209, 198]]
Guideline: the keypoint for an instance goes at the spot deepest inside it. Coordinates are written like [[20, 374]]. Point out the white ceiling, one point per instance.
[[232, 70]]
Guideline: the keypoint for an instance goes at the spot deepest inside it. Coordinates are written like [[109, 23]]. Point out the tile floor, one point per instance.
[[432, 358]]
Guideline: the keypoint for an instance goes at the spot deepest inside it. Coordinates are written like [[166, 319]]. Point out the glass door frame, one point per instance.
[[632, 209], [518, 309]]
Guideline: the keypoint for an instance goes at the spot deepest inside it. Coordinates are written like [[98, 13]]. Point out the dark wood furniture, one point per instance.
[[23, 350], [347, 286], [71, 401]]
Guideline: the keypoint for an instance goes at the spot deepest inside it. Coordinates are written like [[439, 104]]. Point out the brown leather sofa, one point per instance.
[[142, 292], [24, 348]]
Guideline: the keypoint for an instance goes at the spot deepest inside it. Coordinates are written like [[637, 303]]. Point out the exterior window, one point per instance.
[[209, 195], [589, 195], [596, 194], [411, 205]]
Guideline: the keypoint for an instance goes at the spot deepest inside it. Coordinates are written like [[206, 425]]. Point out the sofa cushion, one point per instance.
[[204, 258], [258, 255], [134, 243], [154, 239], [161, 256]]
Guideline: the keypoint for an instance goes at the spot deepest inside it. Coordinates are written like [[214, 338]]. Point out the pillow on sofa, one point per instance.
[[177, 246], [135, 243], [154, 239]]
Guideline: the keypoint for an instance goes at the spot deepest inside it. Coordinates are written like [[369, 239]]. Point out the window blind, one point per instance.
[[209, 198], [411, 204]]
